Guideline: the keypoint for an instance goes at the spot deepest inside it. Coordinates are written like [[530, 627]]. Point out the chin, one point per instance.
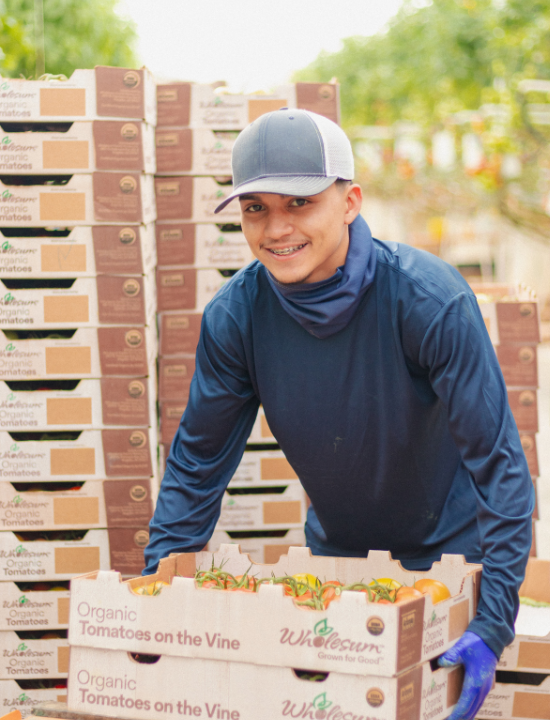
[[295, 277]]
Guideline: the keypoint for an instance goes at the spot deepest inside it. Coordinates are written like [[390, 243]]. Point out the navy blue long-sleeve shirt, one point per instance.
[[398, 427]]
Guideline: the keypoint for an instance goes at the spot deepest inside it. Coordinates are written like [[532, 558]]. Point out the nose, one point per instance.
[[278, 224]]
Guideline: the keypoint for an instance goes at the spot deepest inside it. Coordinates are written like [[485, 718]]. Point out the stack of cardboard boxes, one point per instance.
[[264, 507], [512, 318], [77, 354], [522, 688], [190, 651]]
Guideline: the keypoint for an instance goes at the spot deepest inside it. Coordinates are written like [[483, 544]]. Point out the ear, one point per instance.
[[354, 200]]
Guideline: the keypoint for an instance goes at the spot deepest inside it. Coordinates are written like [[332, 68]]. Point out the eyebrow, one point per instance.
[[249, 197]]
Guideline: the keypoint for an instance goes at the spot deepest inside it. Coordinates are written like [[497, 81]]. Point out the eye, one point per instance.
[[254, 208], [299, 202]]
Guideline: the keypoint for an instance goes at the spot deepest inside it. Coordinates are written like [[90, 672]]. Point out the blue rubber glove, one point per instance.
[[479, 665]]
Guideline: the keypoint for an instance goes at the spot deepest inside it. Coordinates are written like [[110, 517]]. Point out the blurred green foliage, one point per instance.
[[438, 59], [77, 34]]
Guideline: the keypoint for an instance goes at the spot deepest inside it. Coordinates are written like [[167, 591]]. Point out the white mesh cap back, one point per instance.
[[338, 152]]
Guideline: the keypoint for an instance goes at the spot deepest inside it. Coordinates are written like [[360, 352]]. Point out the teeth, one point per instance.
[[287, 251]]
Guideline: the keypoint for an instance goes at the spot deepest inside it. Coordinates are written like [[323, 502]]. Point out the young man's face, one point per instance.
[[301, 239]]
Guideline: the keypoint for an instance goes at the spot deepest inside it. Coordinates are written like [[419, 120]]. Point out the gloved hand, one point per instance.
[[479, 664]]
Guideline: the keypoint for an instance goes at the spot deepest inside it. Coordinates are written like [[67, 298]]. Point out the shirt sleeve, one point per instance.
[[465, 374], [208, 445]]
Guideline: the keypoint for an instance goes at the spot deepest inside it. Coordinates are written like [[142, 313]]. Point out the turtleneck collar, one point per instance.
[[324, 308]]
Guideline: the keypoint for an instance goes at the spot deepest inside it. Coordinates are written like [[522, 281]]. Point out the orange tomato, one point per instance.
[[436, 589], [405, 593]]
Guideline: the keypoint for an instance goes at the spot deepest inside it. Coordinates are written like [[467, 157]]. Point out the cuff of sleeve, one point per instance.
[[491, 638]]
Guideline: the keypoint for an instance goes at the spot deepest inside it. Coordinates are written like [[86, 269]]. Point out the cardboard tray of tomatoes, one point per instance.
[[355, 634]]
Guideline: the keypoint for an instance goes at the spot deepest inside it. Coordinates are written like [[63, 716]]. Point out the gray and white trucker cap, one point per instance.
[[289, 152]]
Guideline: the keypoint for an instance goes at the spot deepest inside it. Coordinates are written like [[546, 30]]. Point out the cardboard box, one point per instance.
[[261, 432], [179, 332], [97, 504], [261, 546], [100, 197], [183, 151], [104, 92], [78, 252], [119, 548], [263, 467], [170, 417], [511, 321], [200, 106], [175, 376], [83, 353], [284, 507], [519, 365], [27, 659], [79, 405], [202, 245], [33, 610], [92, 455], [529, 445], [194, 199], [529, 652], [351, 636], [79, 147], [14, 697], [509, 700], [523, 404], [89, 302], [187, 288], [175, 687]]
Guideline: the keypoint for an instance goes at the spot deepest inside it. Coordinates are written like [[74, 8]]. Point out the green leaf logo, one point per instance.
[[220, 240], [219, 194], [230, 502], [6, 140], [321, 702], [20, 550], [6, 194], [434, 616], [10, 347], [322, 628], [17, 499], [22, 647], [23, 698], [23, 600]]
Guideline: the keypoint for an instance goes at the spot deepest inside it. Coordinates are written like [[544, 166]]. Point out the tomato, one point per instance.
[[244, 583], [307, 579], [405, 593], [153, 588], [330, 591], [435, 588], [389, 583]]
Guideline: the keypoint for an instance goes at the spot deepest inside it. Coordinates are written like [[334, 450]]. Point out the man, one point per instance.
[[377, 378]]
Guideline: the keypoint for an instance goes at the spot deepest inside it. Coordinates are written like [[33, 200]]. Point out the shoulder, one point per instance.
[[419, 274], [233, 303]]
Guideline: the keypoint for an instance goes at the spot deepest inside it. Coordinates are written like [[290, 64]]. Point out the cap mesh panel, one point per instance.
[[338, 152]]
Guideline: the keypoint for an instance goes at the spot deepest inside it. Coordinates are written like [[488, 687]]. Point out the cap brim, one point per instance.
[[300, 186]]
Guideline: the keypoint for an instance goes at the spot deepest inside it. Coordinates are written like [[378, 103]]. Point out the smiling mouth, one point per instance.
[[286, 251]]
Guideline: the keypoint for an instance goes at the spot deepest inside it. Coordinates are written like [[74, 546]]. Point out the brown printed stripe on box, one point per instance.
[[529, 445], [174, 104], [320, 98], [126, 548], [175, 376], [523, 404], [118, 145], [174, 197], [170, 417], [127, 453], [518, 365], [117, 249], [175, 243], [179, 333], [518, 322], [122, 351], [176, 289], [117, 197]]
